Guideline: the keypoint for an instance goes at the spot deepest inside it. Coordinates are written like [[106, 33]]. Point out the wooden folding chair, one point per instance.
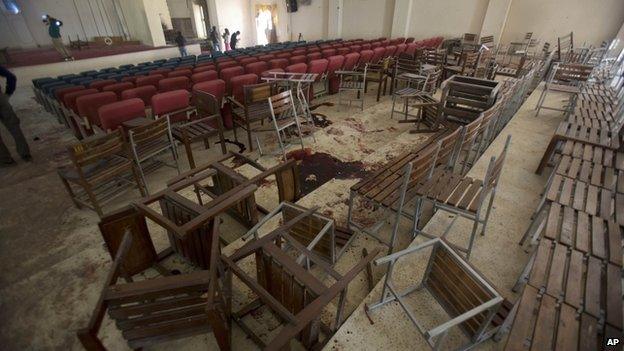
[[417, 96], [462, 196], [289, 288], [150, 141], [101, 170], [163, 308], [254, 108], [352, 83], [284, 119], [472, 302], [208, 124]]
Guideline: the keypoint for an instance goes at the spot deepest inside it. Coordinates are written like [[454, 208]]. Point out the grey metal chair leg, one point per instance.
[[472, 235], [488, 211]]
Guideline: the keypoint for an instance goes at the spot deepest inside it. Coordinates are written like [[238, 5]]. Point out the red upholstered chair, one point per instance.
[[223, 59], [350, 61], [205, 63], [278, 63], [239, 82], [131, 79], [152, 79], [99, 84], [144, 93], [400, 48], [256, 67], [247, 61], [266, 58], [365, 57], [59, 94], [283, 55], [227, 64], [366, 46], [229, 73], [343, 51], [112, 115], [161, 71], [175, 104], [313, 56], [88, 106], [411, 49], [204, 76], [216, 88], [389, 52], [204, 68], [180, 73], [328, 52], [69, 99], [378, 54], [320, 85], [355, 48], [175, 83], [375, 45], [409, 40], [334, 63], [297, 68], [299, 52], [118, 88], [298, 59]]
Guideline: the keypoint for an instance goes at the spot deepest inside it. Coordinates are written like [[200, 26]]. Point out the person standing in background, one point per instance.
[[181, 42], [11, 122], [234, 39], [226, 39], [214, 38], [54, 30]]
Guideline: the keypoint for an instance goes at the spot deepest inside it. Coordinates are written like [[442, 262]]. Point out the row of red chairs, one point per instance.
[[166, 90]]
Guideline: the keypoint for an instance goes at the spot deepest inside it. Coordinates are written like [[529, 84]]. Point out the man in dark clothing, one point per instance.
[[214, 38], [11, 122], [179, 39], [234, 40], [54, 30]]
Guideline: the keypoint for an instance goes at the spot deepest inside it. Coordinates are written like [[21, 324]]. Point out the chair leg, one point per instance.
[[72, 195], [140, 180], [189, 154], [250, 143], [417, 213], [488, 211], [259, 147], [281, 144], [472, 235], [350, 210], [93, 199]]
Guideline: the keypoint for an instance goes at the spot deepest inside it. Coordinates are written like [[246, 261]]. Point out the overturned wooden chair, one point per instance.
[[472, 302], [286, 285], [163, 308], [101, 170]]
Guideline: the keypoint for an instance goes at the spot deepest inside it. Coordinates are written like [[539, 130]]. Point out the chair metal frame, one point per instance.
[[155, 131], [489, 187], [352, 81], [435, 337]]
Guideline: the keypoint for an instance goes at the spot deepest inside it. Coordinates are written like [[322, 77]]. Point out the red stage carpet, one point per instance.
[[30, 57]]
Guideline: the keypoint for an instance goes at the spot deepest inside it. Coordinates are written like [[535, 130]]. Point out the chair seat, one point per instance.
[[101, 168], [448, 188], [194, 131], [353, 85]]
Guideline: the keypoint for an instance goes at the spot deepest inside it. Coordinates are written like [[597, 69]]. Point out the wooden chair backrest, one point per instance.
[[488, 39], [94, 150], [489, 118], [157, 129], [258, 93], [423, 165], [572, 72], [469, 38], [435, 57], [495, 169], [471, 131], [288, 182], [406, 66], [470, 60], [449, 147], [565, 44], [456, 288], [196, 245], [142, 254], [433, 81], [282, 104], [528, 36], [206, 104]]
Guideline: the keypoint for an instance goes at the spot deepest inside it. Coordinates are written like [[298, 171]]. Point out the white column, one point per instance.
[[495, 18], [401, 18]]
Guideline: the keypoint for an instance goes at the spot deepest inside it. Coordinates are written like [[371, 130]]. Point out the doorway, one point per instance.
[[266, 23]]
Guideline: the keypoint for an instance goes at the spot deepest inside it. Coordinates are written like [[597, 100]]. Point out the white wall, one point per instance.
[[496, 18], [448, 18], [367, 19], [591, 20], [310, 20]]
